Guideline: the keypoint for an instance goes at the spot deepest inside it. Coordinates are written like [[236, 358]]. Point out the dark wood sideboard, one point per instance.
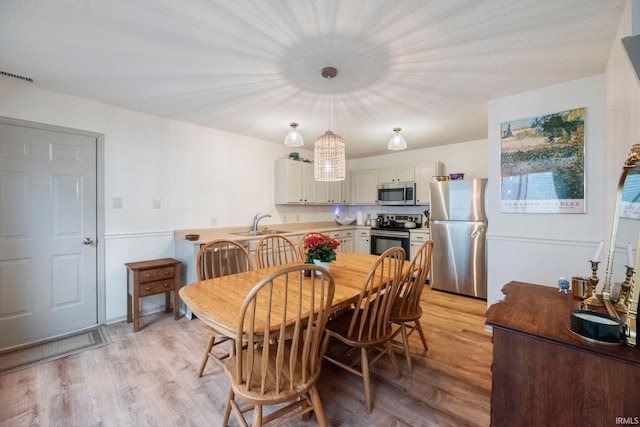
[[544, 375]]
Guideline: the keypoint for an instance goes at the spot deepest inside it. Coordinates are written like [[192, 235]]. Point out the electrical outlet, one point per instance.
[[284, 218], [297, 218], [214, 221], [116, 203]]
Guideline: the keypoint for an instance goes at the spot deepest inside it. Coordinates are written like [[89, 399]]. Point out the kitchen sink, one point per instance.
[[259, 232]]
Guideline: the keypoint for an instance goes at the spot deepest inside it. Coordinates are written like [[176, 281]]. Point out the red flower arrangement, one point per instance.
[[321, 247]]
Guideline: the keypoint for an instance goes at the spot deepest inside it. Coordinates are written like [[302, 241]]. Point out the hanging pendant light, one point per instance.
[[397, 142], [328, 152], [293, 138]]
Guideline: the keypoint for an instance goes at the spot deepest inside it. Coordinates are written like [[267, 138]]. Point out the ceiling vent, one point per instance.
[[15, 76]]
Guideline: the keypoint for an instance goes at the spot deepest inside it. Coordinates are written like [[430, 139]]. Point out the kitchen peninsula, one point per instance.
[[187, 250]]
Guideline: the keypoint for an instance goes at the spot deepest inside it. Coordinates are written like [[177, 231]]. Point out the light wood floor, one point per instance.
[[149, 378]]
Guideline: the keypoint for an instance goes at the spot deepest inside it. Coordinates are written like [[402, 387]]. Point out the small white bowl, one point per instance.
[[345, 221]]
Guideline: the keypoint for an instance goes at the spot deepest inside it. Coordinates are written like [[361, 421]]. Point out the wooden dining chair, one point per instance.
[[273, 250], [366, 326], [280, 367], [303, 252], [220, 258], [406, 310]]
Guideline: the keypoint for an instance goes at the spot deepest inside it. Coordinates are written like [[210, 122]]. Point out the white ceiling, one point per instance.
[[253, 66]]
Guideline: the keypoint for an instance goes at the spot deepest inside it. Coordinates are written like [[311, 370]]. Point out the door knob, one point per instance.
[[87, 241]]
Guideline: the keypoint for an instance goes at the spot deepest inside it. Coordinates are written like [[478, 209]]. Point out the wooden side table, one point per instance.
[[151, 277]]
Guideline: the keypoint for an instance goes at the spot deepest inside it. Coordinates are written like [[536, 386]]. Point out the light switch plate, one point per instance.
[[157, 203], [116, 203]]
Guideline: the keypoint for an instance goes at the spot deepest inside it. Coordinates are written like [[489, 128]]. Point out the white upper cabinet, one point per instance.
[[345, 189], [309, 184], [324, 191], [397, 174], [294, 182], [365, 187], [424, 173], [332, 192]]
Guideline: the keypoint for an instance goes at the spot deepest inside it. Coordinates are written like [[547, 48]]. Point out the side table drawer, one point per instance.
[[152, 275], [152, 288]]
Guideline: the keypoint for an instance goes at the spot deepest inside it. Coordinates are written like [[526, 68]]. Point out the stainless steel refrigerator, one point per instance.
[[458, 230]]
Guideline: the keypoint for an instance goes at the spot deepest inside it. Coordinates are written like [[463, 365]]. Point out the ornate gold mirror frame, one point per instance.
[[623, 298]]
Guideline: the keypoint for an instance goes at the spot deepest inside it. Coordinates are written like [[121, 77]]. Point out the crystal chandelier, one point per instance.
[[328, 152]]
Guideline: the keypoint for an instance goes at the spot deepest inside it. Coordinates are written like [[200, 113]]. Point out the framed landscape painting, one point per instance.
[[542, 164]]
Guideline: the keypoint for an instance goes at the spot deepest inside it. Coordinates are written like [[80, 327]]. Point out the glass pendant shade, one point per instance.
[[397, 142], [293, 138], [329, 158]]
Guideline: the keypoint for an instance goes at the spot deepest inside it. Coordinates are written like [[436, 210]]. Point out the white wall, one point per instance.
[[467, 157], [197, 172], [623, 130], [539, 248]]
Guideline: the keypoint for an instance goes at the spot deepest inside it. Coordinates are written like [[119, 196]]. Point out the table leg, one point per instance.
[[176, 304], [128, 299], [136, 305]]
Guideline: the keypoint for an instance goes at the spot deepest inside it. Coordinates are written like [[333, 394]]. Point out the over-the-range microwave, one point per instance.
[[397, 193]]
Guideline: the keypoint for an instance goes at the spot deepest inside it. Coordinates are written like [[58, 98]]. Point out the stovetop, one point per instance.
[[395, 222]]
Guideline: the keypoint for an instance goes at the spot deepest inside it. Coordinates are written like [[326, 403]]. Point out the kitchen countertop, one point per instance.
[[209, 233]]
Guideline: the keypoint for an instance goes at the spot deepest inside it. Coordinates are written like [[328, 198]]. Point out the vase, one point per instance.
[[321, 264], [307, 273]]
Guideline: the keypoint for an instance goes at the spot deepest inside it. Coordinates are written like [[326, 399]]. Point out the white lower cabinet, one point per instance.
[[346, 239], [363, 241], [416, 239]]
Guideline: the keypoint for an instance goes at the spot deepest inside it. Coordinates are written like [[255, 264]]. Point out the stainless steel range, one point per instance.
[[393, 230]]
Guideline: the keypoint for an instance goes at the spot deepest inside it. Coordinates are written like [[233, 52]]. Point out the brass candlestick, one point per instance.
[[622, 306], [591, 298]]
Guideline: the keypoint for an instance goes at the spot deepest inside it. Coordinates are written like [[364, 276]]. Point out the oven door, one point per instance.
[[381, 241]]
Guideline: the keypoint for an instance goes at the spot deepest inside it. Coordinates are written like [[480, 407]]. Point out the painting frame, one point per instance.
[[542, 164]]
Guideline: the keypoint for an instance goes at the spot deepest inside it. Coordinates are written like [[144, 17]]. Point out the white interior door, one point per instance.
[[48, 281]]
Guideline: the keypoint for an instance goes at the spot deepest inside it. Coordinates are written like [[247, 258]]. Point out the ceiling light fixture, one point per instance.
[[328, 152], [293, 138], [397, 142]]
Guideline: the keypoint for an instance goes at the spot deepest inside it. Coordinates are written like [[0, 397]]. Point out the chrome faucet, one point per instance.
[[257, 218]]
